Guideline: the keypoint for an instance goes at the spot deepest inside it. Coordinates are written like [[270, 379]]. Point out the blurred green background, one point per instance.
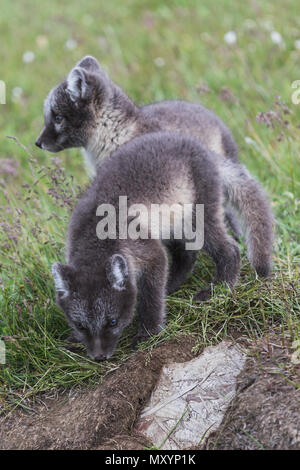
[[155, 50]]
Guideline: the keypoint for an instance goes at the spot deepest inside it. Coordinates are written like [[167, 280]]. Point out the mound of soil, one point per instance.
[[265, 413], [98, 418]]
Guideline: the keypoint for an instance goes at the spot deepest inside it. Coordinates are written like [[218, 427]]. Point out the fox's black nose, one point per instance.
[[38, 143], [100, 357]]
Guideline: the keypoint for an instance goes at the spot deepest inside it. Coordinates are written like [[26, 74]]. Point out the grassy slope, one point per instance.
[[127, 38]]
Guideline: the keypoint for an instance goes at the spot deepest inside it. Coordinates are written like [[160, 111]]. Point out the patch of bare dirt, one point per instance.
[[265, 413], [98, 418]]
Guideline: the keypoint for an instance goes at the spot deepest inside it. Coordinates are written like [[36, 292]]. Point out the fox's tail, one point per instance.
[[246, 196]]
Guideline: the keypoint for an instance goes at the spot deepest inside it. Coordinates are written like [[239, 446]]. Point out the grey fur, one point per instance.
[[98, 116], [114, 118], [146, 169], [106, 119], [251, 203]]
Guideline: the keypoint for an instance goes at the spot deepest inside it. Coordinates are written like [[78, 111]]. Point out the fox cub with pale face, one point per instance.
[[89, 110], [106, 280]]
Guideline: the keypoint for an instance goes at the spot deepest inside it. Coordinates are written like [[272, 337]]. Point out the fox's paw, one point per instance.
[[203, 295], [139, 338], [263, 270], [143, 335]]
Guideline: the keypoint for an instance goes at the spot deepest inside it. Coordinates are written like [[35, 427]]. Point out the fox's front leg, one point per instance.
[[225, 253], [151, 296]]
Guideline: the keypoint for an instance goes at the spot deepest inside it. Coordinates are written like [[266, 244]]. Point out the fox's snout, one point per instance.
[[38, 143], [39, 140], [100, 357], [47, 140]]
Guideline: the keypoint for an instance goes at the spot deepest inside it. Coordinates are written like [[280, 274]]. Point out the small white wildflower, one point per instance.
[[276, 37], [230, 37], [250, 141], [28, 57], [159, 62], [71, 44], [297, 44]]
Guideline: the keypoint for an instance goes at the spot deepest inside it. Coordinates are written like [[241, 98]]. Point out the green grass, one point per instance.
[[127, 38]]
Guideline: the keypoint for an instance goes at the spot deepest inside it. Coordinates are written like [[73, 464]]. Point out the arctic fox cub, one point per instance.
[[88, 110], [107, 277]]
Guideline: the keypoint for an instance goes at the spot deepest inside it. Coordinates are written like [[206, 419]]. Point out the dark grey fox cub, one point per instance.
[[105, 279]]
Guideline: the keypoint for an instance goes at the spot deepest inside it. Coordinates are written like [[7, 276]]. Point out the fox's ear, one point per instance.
[[62, 278], [89, 63], [77, 84], [117, 272]]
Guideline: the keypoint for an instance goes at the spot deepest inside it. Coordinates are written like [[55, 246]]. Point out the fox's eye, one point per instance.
[[61, 294], [113, 322], [79, 326], [58, 118]]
